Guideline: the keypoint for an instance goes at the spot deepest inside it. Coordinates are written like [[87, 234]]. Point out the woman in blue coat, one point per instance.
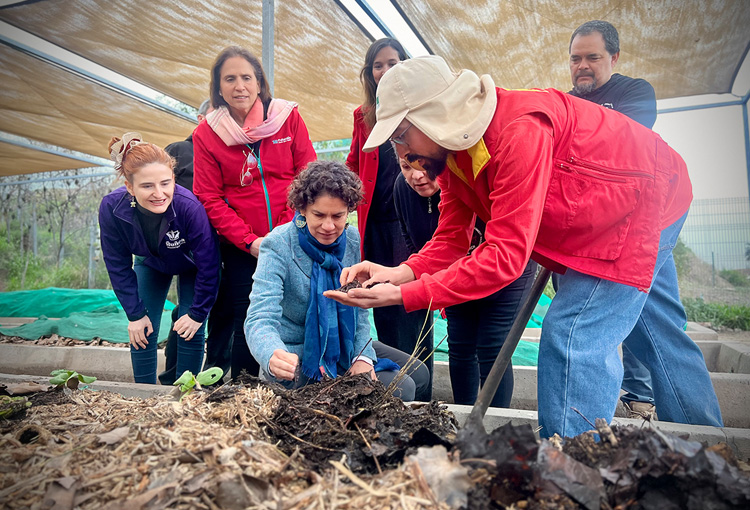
[[295, 333], [151, 230]]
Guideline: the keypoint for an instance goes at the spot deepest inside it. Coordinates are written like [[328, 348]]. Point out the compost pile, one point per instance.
[[629, 467], [344, 444]]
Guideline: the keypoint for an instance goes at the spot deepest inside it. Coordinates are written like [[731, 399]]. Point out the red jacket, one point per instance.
[[365, 165], [241, 214], [558, 179]]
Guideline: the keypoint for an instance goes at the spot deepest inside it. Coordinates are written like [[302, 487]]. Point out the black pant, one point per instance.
[[220, 330], [476, 332], [237, 276]]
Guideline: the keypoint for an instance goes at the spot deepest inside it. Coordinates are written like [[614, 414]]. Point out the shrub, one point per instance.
[[718, 315], [736, 278]]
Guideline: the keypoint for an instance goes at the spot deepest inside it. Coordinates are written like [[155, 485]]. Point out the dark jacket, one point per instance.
[[182, 152], [188, 244]]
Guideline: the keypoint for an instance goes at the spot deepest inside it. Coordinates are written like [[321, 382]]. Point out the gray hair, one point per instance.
[[608, 31], [203, 108]]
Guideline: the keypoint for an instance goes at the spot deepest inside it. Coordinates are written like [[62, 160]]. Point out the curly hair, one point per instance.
[[325, 178]]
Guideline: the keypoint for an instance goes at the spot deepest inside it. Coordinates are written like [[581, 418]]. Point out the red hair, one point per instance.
[[137, 156]]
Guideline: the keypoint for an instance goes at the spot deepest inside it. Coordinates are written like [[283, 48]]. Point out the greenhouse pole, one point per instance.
[[267, 49]]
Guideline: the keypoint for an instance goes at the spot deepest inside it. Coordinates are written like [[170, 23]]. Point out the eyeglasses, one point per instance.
[[400, 138], [251, 163]]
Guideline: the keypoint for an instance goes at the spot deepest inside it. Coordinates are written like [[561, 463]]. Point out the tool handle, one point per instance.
[[506, 351]]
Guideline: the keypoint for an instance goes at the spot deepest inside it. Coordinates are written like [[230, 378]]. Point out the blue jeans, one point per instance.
[[153, 287], [636, 379], [476, 332], [579, 366]]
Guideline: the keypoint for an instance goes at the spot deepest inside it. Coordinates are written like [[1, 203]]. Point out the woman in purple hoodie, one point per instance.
[[151, 230]]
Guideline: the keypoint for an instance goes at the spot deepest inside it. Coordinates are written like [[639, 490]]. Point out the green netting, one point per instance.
[[87, 314], [84, 314], [525, 355]]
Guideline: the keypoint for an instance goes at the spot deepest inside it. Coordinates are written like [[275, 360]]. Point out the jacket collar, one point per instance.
[[475, 157]]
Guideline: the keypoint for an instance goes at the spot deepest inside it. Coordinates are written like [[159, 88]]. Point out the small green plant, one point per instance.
[[69, 378], [12, 405], [188, 382]]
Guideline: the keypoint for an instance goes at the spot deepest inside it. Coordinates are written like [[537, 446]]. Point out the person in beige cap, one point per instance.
[[582, 190]]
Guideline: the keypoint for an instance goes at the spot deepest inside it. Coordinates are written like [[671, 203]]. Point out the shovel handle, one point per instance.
[[506, 351]]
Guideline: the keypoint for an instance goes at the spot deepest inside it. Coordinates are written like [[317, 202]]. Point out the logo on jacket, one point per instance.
[[174, 240], [282, 140], [608, 105]]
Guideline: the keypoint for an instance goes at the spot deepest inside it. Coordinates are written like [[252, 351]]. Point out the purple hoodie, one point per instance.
[[188, 243]]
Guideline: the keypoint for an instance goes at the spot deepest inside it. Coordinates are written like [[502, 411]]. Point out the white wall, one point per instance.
[[711, 143]]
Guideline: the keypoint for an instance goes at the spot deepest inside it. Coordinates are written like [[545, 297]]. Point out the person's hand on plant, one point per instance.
[[186, 327], [136, 332], [283, 364]]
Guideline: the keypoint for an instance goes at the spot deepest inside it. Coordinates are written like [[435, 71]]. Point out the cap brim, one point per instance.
[[382, 131]]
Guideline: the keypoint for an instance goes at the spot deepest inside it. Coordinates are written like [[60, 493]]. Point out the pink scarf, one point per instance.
[[231, 133]]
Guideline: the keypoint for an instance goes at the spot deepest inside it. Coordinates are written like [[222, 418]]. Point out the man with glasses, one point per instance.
[[582, 190]]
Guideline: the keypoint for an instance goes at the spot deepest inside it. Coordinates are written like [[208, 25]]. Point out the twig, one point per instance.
[[356, 480], [374, 457], [605, 432], [582, 416]]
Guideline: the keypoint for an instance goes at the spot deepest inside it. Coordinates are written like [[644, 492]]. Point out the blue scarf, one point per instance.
[[331, 335]]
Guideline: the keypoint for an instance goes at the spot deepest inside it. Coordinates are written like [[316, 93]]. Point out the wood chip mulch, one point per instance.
[[99, 450]]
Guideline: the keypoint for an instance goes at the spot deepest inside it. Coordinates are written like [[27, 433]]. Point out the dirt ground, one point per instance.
[[345, 444]]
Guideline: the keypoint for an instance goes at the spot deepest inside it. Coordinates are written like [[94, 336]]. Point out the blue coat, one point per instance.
[[188, 244], [281, 291]]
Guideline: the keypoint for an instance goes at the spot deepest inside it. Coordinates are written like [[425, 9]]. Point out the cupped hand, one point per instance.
[[369, 273], [136, 332], [186, 327], [283, 364], [385, 294]]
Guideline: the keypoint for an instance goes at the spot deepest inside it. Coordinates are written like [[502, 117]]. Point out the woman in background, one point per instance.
[[245, 156], [295, 333], [379, 229], [166, 229]]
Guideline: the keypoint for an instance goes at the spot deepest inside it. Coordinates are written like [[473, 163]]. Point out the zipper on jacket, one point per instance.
[[265, 192], [265, 188], [609, 171]]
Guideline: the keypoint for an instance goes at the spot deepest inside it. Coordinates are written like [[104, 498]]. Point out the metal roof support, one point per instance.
[[747, 137], [267, 49], [52, 149]]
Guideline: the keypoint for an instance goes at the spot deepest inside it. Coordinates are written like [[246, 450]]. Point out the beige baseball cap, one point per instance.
[[452, 109]]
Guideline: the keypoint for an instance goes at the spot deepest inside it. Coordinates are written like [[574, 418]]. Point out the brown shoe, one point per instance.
[[642, 410]]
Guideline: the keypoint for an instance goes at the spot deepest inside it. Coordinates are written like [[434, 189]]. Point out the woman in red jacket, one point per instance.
[[246, 154], [379, 228]]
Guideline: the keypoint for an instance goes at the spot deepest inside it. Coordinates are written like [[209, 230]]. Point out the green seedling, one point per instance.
[[69, 378], [187, 381], [12, 405]]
